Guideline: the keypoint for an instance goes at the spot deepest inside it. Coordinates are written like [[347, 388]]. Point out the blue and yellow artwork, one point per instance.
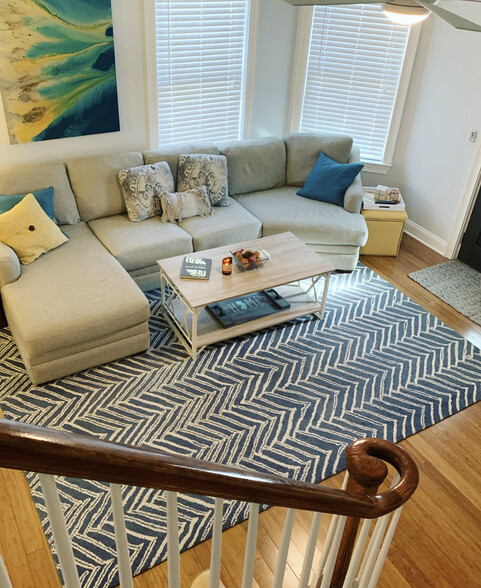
[[57, 69]]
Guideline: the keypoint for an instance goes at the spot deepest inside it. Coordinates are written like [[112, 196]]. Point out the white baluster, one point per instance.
[[373, 548], [4, 577], [283, 549], [173, 550], [357, 553], [318, 574], [325, 550], [123, 557], [331, 560], [250, 554], [310, 549], [384, 549], [60, 534], [372, 551], [214, 576]]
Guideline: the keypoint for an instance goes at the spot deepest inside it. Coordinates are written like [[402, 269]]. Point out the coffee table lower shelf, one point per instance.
[[197, 328]]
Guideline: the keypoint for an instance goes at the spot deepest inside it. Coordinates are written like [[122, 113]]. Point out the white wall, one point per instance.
[[276, 28], [126, 16], [434, 158]]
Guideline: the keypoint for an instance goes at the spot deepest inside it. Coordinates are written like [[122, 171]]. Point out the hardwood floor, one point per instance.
[[438, 540]]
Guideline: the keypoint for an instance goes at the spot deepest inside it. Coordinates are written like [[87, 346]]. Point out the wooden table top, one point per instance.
[[290, 260]]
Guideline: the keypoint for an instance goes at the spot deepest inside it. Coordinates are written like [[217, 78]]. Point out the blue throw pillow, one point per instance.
[[329, 180], [44, 197]]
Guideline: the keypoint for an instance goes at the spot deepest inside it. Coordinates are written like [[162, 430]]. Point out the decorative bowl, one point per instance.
[[249, 259]]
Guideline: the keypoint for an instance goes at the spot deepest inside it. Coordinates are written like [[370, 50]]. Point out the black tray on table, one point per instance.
[[243, 309]]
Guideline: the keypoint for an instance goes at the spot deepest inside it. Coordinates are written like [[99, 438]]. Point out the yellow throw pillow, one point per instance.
[[28, 230]]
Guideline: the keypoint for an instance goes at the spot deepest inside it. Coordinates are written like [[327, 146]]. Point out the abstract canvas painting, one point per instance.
[[57, 69]]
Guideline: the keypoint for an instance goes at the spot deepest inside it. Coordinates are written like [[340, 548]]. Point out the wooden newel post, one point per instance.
[[366, 474]]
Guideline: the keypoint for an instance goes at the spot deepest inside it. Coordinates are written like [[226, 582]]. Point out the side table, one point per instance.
[[385, 231]]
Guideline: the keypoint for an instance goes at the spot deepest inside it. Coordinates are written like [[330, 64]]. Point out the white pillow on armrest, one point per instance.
[[10, 268]]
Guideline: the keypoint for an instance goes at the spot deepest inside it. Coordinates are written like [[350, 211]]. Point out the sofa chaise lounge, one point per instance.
[[82, 305]]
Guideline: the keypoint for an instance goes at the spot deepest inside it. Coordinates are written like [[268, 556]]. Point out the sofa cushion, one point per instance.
[[84, 302], [229, 224], [96, 185], [303, 149], [200, 169], [255, 165], [312, 221], [142, 187], [30, 178], [329, 180], [170, 153], [28, 230], [138, 245]]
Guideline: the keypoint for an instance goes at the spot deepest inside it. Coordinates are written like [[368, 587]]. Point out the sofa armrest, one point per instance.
[[354, 193], [10, 268]]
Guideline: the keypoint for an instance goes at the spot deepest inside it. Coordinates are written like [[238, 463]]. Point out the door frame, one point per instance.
[[471, 191]]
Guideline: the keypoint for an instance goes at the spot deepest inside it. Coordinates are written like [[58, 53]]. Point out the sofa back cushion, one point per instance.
[[303, 149], [254, 165], [31, 178], [170, 153], [96, 184]]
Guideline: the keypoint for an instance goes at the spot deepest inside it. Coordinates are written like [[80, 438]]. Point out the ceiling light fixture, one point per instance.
[[404, 11], [405, 15]]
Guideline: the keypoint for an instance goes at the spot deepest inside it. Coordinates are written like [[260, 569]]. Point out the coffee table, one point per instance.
[[184, 301]]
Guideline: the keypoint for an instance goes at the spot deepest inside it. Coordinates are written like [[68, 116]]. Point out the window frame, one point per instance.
[[150, 66], [300, 64]]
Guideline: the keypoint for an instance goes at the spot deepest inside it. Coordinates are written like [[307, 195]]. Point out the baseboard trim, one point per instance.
[[425, 237]]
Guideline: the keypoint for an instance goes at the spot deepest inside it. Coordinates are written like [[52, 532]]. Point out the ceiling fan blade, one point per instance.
[[453, 19], [328, 2]]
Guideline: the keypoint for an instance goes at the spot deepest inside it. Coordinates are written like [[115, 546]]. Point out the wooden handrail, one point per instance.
[[365, 462], [36, 449]]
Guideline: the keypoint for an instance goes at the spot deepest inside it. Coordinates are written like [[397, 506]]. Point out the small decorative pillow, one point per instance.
[[329, 180], [204, 170], [142, 186], [179, 205], [27, 229], [44, 197]]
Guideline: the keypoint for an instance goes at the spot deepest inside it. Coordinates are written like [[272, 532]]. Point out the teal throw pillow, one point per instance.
[[44, 197], [329, 180]]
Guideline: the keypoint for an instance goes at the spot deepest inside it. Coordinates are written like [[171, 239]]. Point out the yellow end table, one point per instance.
[[385, 231]]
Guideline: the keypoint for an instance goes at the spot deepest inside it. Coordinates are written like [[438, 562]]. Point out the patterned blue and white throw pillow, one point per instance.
[[142, 187], [177, 206], [204, 170]]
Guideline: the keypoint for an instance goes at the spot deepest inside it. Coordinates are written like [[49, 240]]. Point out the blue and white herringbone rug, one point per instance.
[[286, 400]]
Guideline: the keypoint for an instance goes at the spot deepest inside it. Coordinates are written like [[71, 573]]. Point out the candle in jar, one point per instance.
[[227, 266]]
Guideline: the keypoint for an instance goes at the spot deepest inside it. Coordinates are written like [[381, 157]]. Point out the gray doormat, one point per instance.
[[456, 284]]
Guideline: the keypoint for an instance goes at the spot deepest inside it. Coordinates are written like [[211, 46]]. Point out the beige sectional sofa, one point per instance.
[[82, 305]]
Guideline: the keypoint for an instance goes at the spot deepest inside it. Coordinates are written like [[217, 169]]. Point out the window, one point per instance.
[[356, 76], [201, 68]]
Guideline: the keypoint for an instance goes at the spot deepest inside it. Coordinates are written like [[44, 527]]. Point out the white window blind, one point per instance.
[[354, 66], [201, 56]]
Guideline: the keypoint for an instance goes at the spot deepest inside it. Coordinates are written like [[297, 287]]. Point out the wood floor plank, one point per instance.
[[273, 521], [43, 568], [13, 554], [438, 540], [32, 535]]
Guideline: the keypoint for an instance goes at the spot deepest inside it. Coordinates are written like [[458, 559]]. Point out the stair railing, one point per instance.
[[349, 559]]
